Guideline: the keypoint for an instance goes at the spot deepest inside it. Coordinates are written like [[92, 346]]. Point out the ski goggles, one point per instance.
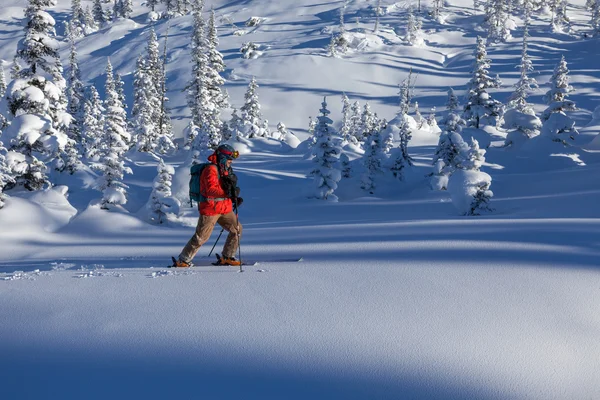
[[230, 154]]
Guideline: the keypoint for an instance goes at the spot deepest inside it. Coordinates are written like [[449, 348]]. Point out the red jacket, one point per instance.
[[210, 188]]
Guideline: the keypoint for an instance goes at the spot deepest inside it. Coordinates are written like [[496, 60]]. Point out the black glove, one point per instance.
[[237, 200], [228, 186]]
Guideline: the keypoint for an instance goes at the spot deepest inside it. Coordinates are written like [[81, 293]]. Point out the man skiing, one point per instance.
[[218, 195]]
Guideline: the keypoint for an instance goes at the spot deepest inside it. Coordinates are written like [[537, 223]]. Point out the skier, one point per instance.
[[219, 194]]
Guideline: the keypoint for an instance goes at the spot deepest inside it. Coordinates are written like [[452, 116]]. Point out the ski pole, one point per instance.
[[238, 234], [214, 245]]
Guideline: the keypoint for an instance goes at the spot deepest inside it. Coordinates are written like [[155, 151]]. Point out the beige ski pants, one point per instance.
[[206, 224]]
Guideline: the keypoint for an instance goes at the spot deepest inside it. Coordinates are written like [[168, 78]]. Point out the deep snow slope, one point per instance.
[[397, 296]]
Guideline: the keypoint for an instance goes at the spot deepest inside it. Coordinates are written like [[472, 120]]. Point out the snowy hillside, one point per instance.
[[448, 251]]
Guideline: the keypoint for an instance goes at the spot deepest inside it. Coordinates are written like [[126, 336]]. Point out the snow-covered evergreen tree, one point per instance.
[[2, 82], [236, 125], [526, 84], [497, 15], [402, 159], [414, 33], [190, 133], [115, 121], [282, 131], [145, 105], [521, 118], [560, 20], [372, 160], [151, 4], [77, 22], [468, 186], [92, 134], [98, 13], [556, 123], [36, 99], [452, 104], [326, 151], [199, 100], [75, 94], [215, 66], [346, 127], [355, 123], [418, 117], [116, 139], [6, 179], [436, 9], [162, 203], [251, 111], [367, 122], [166, 143], [126, 8], [446, 152], [481, 109]]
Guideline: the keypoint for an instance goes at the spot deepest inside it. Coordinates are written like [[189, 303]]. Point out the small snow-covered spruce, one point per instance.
[[115, 138], [236, 125], [446, 152], [98, 13], [468, 186], [92, 125], [189, 136], [436, 10], [145, 104], [215, 66], [367, 122], [326, 151], [346, 127], [452, 103], [331, 49], [75, 94], [251, 111], [418, 117], [402, 159], [6, 179], [151, 4], [126, 8], [2, 82], [481, 109], [405, 95], [520, 117], [414, 34], [36, 99], [556, 124], [377, 14], [197, 89], [497, 16], [249, 50], [372, 160], [116, 10], [166, 142], [161, 201], [282, 131], [560, 21], [355, 123], [77, 23], [115, 121], [525, 85]]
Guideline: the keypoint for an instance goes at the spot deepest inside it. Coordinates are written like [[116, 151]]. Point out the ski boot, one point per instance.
[[180, 264], [231, 261]]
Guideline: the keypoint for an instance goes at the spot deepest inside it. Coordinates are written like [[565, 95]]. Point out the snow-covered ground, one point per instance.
[[397, 296]]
